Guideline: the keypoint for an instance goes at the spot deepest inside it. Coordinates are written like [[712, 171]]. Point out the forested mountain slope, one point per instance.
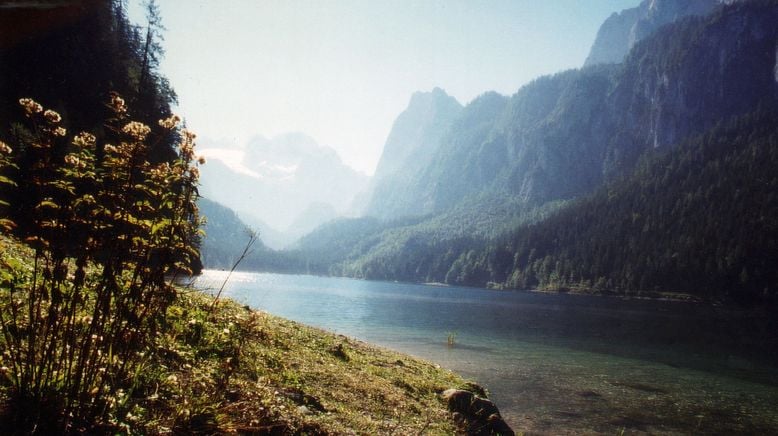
[[700, 219], [226, 237]]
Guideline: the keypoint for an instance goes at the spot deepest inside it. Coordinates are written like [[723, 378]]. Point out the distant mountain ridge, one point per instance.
[[226, 236], [279, 181]]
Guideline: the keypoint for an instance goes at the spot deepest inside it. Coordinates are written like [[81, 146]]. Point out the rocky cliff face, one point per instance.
[[613, 40], [542, 143], [412, 142], [775, 69], [620, 32], [724, 66]]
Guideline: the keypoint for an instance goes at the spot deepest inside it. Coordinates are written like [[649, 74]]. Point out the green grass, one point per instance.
[[267, 371]]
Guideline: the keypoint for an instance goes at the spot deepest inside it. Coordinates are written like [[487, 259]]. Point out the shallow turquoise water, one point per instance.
[[556, 363]]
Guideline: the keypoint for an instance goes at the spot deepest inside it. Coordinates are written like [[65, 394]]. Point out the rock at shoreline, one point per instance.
[[476, 415]]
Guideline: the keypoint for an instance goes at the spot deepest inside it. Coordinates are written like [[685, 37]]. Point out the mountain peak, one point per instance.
[[621, 31], [413, 140], [296, 138], [427, 98]]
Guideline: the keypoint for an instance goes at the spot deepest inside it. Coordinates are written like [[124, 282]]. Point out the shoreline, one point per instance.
[[669, 296], [340, 384], [226, 368]]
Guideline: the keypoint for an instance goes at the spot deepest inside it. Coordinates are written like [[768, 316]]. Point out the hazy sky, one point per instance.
[[342, 70]]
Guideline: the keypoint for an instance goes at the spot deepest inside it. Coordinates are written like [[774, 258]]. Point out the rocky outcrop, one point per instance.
[[775, 68], [613, 38], [412, 143], [476, 415], [620, 32], [725, 67]]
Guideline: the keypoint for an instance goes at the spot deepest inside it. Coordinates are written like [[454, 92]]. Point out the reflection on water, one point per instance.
[[556, 363]]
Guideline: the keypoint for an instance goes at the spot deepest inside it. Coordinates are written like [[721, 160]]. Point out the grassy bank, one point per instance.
[[236, 370], [248, 371]]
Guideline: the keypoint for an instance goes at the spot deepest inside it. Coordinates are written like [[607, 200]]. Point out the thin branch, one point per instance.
[[246, 250]]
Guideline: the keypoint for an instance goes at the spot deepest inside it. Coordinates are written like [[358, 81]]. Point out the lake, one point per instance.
[[561, 364]]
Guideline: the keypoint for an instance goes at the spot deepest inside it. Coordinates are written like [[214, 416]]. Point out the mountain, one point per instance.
[[411, 145], [312, 217], [621, 31], [564, 145], [271, 182], [561, 136], [695, 220], [272, 238], [225, 235]]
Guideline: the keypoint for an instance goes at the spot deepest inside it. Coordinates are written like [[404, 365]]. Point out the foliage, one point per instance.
[[106, 226], [6, 183], [69, 55]]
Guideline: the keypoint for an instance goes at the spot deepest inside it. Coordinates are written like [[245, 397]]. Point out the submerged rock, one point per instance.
[[474, 414]]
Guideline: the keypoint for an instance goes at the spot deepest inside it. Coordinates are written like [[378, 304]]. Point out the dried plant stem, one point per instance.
[[246, 250]]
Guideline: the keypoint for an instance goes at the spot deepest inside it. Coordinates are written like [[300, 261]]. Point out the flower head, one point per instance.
[[74, 161], [170, 122], [52, 116], [84, 140], [60, 131], [4, 148], [118, 105], [187, 144], [30, 106], [136, 130]]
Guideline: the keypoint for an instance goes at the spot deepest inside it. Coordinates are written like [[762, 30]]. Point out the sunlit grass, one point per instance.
[[245, 370]]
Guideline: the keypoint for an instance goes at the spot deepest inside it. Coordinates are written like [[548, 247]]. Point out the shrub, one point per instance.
[[108, 228]]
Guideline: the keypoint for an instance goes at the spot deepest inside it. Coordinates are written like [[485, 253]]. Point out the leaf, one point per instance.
[[47, 203], [7, 181], [7, 224], [159, 226], [36, 242]]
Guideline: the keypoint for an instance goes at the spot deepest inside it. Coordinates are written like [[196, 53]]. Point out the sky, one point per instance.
[[342, 70]]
